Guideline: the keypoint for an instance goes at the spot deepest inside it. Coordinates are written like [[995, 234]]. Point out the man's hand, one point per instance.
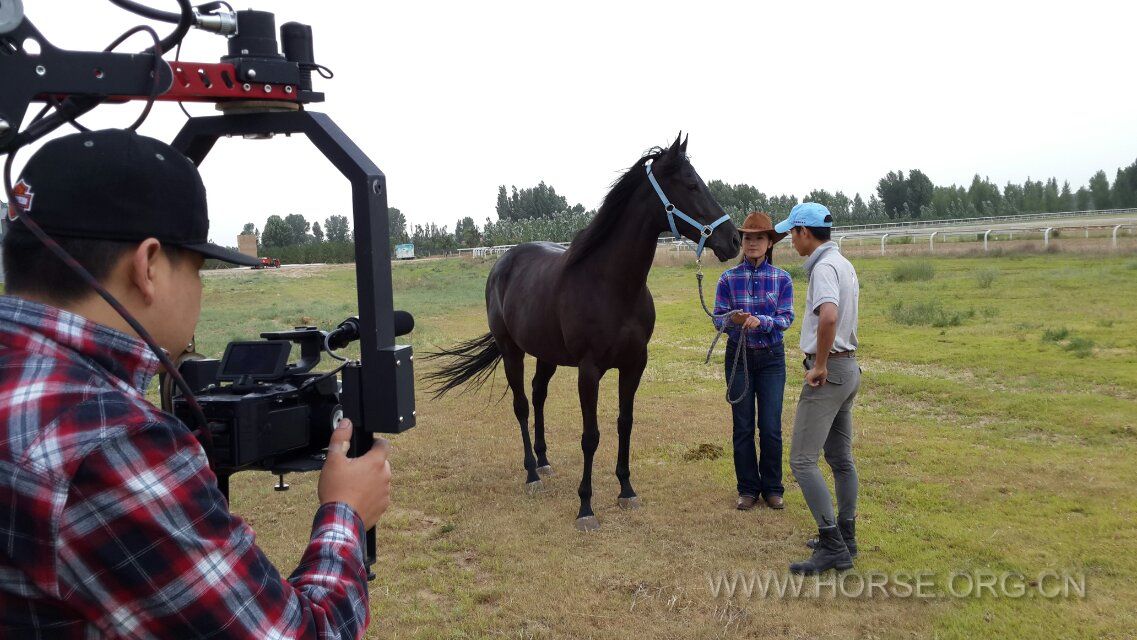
[[752, 322], [740, 317], [363, 483], [815, 377]]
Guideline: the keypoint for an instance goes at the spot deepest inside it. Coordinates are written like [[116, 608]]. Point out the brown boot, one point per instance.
[[746, 503]]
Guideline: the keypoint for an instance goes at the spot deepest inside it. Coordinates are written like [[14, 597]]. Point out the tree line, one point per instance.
[[913, 196], [540, 213], [294, 240], [523, 215]]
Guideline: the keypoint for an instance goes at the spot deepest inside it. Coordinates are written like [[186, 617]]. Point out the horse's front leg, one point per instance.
[[588, 385]]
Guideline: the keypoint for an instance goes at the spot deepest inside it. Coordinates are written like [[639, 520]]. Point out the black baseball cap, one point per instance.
[[114, 184]]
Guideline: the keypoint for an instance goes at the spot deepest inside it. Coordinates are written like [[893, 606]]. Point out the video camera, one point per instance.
[[276, 416]]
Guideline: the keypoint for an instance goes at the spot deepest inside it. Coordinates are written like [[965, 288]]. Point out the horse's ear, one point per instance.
[[683, 147], [675, 145]]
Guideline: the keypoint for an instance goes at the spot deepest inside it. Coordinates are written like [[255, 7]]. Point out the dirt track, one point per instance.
[[285, 271]]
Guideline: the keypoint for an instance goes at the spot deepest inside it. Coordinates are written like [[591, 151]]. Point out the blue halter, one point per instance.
[[705, 229]]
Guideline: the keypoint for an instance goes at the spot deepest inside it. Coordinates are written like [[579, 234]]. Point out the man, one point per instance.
[[824, 410], [111, 522]]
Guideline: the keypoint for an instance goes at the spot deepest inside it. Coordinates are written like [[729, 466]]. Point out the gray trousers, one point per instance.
[[824, 422]]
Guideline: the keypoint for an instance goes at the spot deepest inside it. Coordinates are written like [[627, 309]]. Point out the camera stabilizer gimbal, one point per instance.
[[262, 93]]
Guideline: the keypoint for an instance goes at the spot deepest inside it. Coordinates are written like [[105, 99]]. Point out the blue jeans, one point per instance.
[[764, 385]]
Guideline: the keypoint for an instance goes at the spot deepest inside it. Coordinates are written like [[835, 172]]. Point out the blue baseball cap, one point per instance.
[[806, 214]]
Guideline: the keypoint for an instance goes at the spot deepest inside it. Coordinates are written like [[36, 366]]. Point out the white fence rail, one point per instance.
[[666, 244], [1112, 221], [497, 250], [1113, 227], [992, 220]]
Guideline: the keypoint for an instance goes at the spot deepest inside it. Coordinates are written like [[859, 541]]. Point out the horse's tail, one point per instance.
[[474, 360]]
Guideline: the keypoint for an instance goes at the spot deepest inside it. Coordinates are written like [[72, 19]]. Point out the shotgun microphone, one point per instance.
[[348, 330]]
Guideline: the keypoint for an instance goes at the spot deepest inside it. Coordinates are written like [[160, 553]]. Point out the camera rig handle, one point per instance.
[[311, 341]]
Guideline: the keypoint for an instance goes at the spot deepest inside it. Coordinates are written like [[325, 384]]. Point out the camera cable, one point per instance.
[[184, 19]]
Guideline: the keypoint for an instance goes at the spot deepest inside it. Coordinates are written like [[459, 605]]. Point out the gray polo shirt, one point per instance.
[[831, 279]]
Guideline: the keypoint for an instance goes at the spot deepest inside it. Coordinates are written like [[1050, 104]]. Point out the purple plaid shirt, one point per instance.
[[764, 291], [111, 523]]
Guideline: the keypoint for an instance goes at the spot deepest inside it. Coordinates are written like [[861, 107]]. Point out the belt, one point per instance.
[[836, 354], [733, 344]]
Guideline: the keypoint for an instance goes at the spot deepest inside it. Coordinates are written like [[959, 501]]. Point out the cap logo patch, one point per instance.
[[22, 194]]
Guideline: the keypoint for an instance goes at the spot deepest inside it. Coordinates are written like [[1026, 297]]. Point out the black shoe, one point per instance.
[[848, 534], [830, 553]]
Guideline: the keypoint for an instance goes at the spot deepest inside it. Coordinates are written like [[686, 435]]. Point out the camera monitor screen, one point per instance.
[[257, 360]]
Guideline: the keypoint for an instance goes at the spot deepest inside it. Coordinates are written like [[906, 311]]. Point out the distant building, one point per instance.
[[247, 244]]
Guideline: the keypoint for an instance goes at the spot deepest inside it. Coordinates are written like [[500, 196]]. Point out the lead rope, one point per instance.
[[722, 329]]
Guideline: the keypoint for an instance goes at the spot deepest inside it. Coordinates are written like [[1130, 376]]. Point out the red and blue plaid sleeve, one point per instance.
[[722, 301], [783, 316], [148, 549]]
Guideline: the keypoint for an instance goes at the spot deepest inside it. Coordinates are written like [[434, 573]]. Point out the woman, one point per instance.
[[763, 296]]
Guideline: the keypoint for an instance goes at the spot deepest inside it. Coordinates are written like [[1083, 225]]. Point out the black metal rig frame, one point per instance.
[[379, 410], [378, 392]]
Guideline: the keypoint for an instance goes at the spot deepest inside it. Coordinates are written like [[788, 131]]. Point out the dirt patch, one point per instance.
[[410, 521], [466, 559], [430, 597], [285, 271]]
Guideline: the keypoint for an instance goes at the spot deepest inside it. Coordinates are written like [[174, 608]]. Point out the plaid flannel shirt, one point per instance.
[[111, 522], [763, 291]]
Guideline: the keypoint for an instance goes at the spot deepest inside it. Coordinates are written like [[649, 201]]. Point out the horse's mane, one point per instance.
[[598, 231]]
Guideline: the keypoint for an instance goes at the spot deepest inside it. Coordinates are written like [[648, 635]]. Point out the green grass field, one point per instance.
[[996, 431]]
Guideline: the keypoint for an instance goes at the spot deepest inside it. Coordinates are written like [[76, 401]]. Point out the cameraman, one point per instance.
[[111, 522]]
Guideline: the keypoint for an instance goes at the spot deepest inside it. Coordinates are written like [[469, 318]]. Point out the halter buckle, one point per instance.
[[707, 230]]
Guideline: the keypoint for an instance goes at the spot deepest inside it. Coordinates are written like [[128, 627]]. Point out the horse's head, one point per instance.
[[682, 188]]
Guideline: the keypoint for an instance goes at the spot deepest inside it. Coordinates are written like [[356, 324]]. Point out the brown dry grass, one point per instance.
[[465, 548]]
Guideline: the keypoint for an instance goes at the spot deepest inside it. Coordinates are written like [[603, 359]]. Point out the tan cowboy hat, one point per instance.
[[758, 222]]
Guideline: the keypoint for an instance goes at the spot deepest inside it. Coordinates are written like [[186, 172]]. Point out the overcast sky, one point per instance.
[[453, 99]]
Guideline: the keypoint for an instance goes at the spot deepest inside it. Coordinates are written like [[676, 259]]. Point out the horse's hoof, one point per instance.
[[629, 503], [587, 523], [535, 487], [546, 471]]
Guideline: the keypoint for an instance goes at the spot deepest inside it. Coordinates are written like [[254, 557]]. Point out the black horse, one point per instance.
[[588, 307]]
